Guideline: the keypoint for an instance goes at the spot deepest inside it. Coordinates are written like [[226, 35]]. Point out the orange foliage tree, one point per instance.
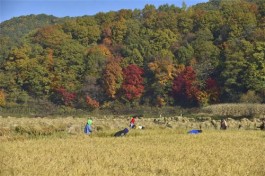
[[2, 98], [112, 77], [92, 104]]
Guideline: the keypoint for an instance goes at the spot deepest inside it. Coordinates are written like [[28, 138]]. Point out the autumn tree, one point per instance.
[[2, 98], [213, 90], [112, 77], [185, 88], [217, 41], [92, 104], [162, 72], [132, 85], [63, 96]]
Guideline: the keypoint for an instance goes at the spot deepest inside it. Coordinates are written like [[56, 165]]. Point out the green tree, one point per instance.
[[69, 66], [206, 54], [149, 16], [84, 29], [167, 17], [240, 17], [185, 21], [254, 77], [95, 60], [233, 71], [185, 54], [119, 29]]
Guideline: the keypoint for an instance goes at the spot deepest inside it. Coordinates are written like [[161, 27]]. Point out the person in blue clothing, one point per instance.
[[88, 128], [121, 133], [195, 131]]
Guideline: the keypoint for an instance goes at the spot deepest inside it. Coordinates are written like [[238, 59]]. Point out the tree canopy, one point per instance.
[[208, 53]]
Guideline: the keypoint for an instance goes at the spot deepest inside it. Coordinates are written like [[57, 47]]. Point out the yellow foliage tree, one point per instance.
[[163, 69], [2, 98], [100, 49]]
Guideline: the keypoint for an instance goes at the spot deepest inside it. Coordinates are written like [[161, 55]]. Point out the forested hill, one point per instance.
[[12, 31], [210, 53], [19, 26]]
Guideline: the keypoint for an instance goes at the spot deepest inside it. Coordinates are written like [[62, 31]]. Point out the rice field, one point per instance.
[[153, 151]]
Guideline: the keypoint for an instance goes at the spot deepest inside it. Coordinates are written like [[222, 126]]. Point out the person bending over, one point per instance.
[[121, 133]]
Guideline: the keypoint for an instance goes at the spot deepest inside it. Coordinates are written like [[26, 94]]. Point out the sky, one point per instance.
[[73, 8]]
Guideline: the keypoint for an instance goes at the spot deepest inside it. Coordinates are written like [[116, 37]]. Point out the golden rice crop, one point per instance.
[[156, 151]]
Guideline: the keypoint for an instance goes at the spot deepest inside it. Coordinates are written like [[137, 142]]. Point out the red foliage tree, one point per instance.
[[190, 82], [132, 85], [179, 87], [185, 87], [213, 90], [67, 97]]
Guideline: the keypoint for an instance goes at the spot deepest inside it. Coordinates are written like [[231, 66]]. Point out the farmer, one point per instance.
[[194, 131], [132, 122], [223, 125], [121, 133], [88, 128]]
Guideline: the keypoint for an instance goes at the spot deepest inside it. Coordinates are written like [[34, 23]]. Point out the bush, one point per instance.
[[250, 97]]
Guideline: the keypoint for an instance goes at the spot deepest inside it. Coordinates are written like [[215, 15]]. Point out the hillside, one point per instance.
[[13, 30], [167, 56]]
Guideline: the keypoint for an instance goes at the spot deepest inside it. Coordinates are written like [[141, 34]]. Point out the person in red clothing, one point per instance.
[[132, 122]]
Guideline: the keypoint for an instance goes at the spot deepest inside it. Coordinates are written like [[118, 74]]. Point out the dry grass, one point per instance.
[[154, 151], [237, 110]]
